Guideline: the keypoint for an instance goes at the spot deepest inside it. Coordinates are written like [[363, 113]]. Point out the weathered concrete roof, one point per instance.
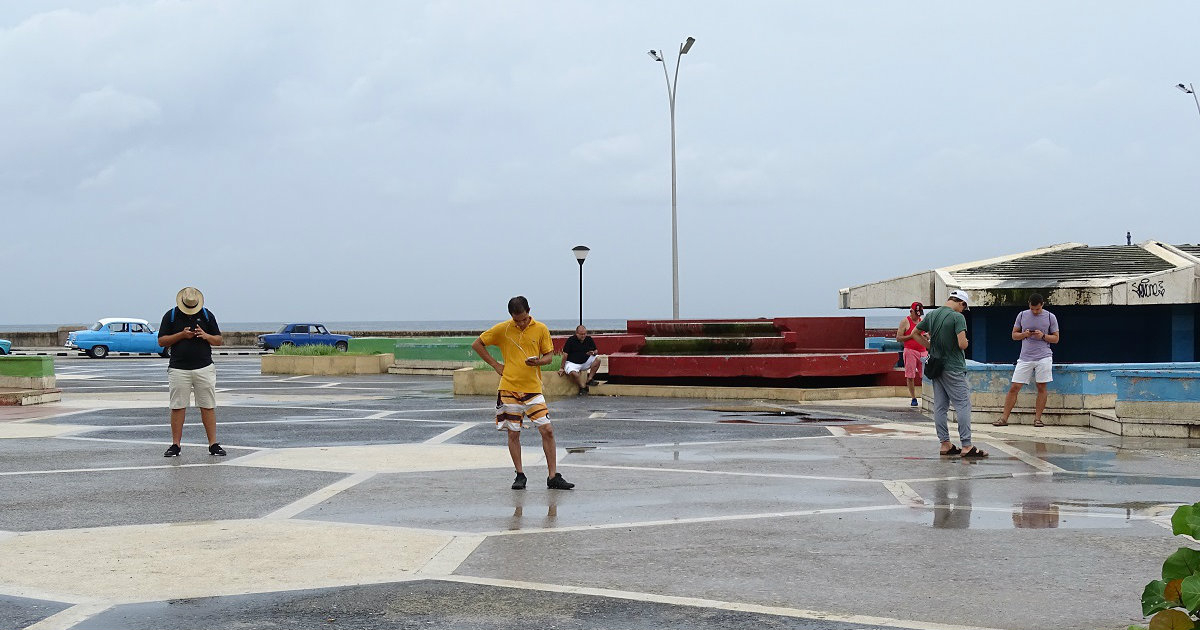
[[1070, 273]]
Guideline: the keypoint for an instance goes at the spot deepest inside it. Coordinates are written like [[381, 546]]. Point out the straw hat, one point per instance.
[[189, 300]]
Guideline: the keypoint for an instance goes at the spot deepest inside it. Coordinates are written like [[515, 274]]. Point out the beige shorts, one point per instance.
[[182, 383], [512, 408]]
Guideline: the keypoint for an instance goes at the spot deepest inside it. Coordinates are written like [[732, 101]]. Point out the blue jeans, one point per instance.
[[951, 388]]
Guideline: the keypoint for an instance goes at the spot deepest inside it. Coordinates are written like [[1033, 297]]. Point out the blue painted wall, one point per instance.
[[1158, 385], [1093, 334], [1089, 379]]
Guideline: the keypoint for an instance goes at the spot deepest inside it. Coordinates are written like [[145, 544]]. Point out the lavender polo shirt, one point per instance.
[[1036, 349]]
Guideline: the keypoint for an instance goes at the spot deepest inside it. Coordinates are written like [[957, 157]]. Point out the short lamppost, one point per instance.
[[671, 90], [581, 253], [1188, 89]]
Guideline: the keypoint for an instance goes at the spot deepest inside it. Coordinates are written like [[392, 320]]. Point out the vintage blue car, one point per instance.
[[116, 334], [5, 346], [303, 335]]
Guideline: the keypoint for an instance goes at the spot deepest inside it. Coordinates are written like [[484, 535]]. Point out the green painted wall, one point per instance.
[[439, 349], [26, 367], [372, 345], [435, 349]]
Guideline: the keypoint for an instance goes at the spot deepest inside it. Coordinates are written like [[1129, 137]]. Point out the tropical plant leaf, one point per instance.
[[1154, 598], [1190, 592], [1174, 592], [1181, 564], [1171, 620], [1186, 520]]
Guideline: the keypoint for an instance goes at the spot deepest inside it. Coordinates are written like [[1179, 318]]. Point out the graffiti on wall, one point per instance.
[[1148, 289]]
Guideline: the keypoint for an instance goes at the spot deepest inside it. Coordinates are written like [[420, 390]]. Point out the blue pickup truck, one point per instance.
[[302, 335]]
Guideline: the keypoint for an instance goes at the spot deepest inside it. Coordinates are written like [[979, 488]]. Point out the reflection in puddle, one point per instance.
[[953, 510], [1075, 458], [518, 519]]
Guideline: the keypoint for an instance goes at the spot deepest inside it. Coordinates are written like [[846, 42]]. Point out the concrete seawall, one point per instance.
[[47, 339]]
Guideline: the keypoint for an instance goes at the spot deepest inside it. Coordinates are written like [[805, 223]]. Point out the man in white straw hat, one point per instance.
[[190, 331]]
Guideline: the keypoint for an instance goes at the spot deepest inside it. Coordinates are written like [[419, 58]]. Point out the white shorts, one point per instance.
[[1039, 370], [182, 383], [571, 368]]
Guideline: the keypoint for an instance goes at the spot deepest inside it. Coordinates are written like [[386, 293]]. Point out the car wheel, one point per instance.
[[164, 354], [99, 352], [340, 346]]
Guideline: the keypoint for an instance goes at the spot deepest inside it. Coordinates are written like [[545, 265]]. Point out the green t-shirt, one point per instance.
[[943, 326]]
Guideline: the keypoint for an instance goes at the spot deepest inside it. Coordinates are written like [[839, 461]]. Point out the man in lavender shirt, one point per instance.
[[1036, 329]]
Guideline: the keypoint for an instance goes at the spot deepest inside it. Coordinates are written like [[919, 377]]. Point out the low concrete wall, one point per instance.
[[1158, 403], [26, 367], [326, 365], [751, 393], [473, 382], [1076, 391], [27, 380], [32, 373]]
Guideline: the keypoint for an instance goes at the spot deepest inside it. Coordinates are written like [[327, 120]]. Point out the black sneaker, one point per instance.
[[215, 449], [172, 451], [583, 391], [591, 382], [519, 482], [558, 483]]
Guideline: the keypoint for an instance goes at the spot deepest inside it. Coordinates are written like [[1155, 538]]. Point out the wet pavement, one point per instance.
[[383, 502]]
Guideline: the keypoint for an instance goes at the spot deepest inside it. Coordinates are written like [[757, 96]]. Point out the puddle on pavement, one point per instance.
[[1036, 516], [756, 410], [1133, 480], [1074, 458], [872, 429]]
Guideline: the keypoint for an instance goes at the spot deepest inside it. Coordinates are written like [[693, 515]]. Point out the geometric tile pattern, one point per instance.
[[383, 501]]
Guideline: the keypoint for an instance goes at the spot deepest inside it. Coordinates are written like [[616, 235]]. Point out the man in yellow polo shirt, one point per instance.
[[526, 347]]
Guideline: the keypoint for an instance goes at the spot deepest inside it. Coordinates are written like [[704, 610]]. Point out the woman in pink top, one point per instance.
[[914, 352]]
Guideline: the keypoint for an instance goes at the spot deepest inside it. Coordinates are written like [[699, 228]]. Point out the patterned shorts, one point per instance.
[[513, 407]]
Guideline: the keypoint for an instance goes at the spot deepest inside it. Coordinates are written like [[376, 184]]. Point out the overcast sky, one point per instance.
[[428, 160]]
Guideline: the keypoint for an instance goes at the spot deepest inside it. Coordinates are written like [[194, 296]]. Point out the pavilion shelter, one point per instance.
[[1114, 303]]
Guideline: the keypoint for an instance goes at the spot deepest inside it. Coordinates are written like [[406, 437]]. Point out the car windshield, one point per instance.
[[96, 326], [281, 329]]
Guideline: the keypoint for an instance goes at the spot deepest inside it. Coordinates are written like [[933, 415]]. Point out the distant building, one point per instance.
[[1115, 303]]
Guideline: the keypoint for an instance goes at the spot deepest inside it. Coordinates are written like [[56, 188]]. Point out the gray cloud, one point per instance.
[[427, 160]]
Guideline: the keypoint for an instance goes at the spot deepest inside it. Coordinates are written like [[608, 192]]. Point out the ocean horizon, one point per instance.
[[460, 325]]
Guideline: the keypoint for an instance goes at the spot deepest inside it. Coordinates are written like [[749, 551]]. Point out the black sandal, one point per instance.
[[954, 450], [974, 453]]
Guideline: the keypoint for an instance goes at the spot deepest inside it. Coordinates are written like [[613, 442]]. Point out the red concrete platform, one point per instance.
[[608, 344], [782, 366]]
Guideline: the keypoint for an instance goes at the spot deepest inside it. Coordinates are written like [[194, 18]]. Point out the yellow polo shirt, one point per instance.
[[516, 345]]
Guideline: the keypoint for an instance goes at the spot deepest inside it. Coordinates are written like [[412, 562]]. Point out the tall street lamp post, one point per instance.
[[1188, 89], [671, 89], [581, 253]]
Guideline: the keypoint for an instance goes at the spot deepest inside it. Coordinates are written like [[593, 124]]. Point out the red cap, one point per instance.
[[917, 306]]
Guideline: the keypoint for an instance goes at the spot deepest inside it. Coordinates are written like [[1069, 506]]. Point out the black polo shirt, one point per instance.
[[576, 350], [194, 353]]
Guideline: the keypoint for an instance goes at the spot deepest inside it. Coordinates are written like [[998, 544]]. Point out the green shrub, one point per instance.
[[316, 351], [1174, 601]]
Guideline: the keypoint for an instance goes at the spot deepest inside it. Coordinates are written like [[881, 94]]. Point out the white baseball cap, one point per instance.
[[960, 295]]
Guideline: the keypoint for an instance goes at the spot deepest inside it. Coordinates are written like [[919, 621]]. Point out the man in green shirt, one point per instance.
[[947, 340]]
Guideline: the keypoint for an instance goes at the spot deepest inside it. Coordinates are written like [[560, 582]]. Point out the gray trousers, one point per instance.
[[951, 388]]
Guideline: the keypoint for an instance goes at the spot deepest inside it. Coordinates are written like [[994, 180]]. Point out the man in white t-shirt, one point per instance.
[[1036, 328]]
